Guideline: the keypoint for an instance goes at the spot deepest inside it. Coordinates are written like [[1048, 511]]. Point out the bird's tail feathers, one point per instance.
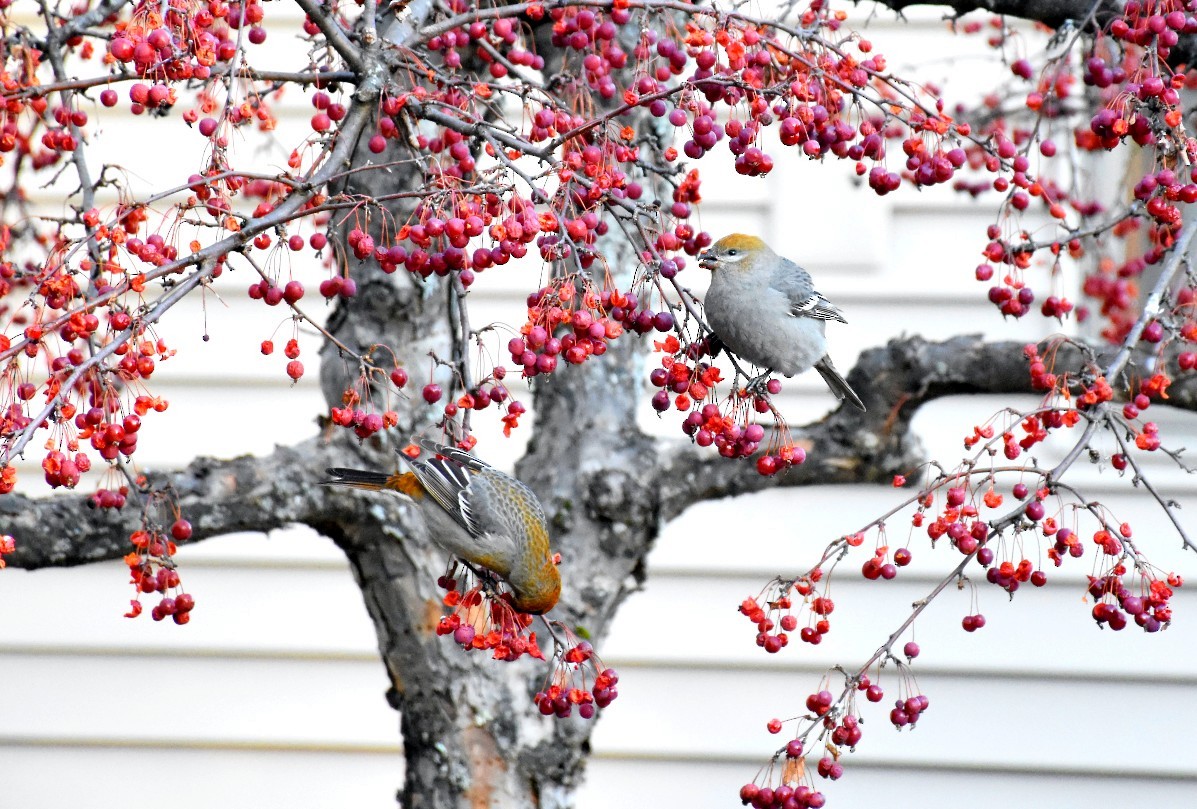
[[407, 483], [839, 386]]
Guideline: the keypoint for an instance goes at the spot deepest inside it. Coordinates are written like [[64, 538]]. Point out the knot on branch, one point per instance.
[[617, 496]]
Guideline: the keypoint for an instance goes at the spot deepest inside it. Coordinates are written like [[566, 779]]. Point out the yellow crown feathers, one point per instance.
[[740, 241]]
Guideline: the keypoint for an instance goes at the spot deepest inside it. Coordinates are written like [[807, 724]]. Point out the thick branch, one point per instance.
[[1086, 15], [849, 446], [1052, 13], [216, 496], [266, 493]]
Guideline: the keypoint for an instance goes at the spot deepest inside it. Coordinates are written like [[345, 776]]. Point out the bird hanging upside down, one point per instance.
[[478, 513]]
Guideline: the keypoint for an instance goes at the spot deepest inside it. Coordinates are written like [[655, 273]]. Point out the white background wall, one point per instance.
[[273, 695]]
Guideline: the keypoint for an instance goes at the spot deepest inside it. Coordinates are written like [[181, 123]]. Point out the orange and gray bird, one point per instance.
[[478, 513], [765, 308]]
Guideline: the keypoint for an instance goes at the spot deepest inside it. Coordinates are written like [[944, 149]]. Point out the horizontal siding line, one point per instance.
[[913, 206], [755, 576], [759, 576], [340, 565], [237, 381], [655, 755], [923, 765], [771, 665], [125, 652], [858, 296], [679, 665], [187, 743]]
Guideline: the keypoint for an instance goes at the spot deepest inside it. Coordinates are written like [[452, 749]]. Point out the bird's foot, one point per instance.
[[759, 385]]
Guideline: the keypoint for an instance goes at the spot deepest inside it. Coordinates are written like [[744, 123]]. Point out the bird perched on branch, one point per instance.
[[765, 308], [480, 514]]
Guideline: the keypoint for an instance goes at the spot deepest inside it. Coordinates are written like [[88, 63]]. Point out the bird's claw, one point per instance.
[[758, 386]]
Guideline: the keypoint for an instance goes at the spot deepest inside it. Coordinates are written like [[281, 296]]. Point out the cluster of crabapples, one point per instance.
[[794, 792], [1139, 98], [364, 423], [178, 47], [566, 689], [185, 45], [576, 325], [152, 571], [775, 623], [687, 383], [482, 620], [969, 534], [110, 431], [1149, 609], [843, 729], [807, 97]]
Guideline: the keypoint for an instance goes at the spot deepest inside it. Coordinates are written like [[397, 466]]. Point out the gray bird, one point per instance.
[[765, 308]]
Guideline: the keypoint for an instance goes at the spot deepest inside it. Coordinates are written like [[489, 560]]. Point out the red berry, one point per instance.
[[1034, 511], [181, 530]]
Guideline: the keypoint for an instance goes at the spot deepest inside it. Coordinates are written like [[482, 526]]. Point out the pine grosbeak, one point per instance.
[[478, 513], [765, 309]]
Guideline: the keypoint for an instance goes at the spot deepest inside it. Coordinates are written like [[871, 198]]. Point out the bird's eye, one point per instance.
[[733, 252]]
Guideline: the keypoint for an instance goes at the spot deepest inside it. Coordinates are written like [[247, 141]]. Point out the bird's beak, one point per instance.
[[707, 261]]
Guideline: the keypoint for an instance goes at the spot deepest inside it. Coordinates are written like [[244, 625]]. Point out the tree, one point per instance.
[[447, 141]]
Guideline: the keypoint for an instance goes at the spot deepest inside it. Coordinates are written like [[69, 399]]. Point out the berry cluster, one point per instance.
[[575, 663], [873, 692], [906, 712], [779, 609], [585, 318], [484, 619], [1150, 609], [807, 88], [358, 412], [691, 381], [1139, 102], [772, 610], [152, 570], [727, 427], [185, 44], [880, 566], [795, 789]]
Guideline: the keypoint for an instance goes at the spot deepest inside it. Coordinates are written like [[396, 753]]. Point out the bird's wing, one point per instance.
[[453, 453], [447, 476], [818, 307], [805, 301]]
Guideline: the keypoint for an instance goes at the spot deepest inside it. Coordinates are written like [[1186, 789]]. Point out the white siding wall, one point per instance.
[[273, 695]]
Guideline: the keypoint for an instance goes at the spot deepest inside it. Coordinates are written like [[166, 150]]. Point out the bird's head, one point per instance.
[[737, 251]]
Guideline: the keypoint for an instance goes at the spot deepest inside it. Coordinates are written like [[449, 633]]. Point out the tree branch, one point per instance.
[[1052, 13], [850, 446], [217, 496]]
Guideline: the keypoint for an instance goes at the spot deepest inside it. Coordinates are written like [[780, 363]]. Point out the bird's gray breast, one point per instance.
[[754, 320]]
